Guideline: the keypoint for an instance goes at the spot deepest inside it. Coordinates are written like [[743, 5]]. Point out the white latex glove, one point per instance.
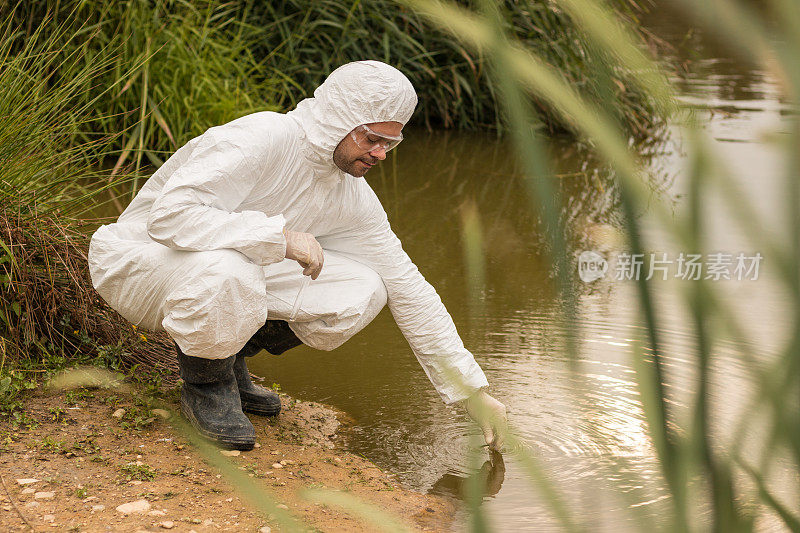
[[304, 248], [490, 415]]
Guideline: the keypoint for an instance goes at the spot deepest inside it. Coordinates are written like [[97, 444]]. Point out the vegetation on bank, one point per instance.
[[180, 67], [303, 40], [50, 316]]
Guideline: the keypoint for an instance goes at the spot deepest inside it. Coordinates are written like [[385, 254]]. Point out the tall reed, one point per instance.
[[179, 68], [204, 63], [301, 41], [48, 305]]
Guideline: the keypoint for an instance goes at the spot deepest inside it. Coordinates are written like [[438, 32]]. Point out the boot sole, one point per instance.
[[259, 409], [223, 441]]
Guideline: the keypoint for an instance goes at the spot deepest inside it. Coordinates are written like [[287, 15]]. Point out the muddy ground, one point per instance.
[[102, 460]]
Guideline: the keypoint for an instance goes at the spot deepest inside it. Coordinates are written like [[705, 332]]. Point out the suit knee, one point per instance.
[[373, 287], [215, 313]]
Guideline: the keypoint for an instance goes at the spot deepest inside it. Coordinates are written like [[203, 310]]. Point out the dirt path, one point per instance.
[[91, 452]]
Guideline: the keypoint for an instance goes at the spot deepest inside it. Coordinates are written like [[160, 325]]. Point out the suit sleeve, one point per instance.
[[197, 208], [416, 307]]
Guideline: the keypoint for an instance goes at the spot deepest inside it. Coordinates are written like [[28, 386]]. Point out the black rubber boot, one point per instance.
[[210, 401], [255, 399], [275, 337]]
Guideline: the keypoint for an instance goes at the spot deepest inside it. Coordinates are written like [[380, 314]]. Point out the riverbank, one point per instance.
[[96, 460]]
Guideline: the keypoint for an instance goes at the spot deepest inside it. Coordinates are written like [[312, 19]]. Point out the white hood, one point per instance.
[[356, 93]]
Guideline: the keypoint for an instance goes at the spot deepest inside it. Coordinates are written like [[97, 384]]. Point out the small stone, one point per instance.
[[48, 518], [119, 413], [265, 529], [90, 499], [96, 508], [167, 524], [430, 509], [44, 495], [284, 462], [156, 512], [230, 453], [139, 506], [282, 506], [29, 490], [257, 445], [27, 481], [277, 465], [163, 413], [32, 504], [276, 452], [207, 522], [288, 462], [135, 482]]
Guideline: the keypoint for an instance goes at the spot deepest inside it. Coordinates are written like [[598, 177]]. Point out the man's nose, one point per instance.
[[378, 153]]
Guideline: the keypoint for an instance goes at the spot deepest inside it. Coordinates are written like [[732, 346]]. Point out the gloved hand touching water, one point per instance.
[[304, 248], [490, 415]]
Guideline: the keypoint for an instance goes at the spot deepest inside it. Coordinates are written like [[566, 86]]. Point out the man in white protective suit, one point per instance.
[[263, 234]]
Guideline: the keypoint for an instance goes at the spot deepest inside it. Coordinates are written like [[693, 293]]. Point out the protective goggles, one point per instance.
[[368, 140]]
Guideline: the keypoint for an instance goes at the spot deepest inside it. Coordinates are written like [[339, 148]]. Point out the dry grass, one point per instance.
[[50, 308]]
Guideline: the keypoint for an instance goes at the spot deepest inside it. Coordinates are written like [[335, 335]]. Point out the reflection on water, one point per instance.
[[587, 426], [489, 479]]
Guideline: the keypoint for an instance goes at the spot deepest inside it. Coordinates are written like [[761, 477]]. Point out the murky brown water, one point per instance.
[[594, 444]]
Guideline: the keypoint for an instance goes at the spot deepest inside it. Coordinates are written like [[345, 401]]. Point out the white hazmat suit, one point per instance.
[[200, 250]]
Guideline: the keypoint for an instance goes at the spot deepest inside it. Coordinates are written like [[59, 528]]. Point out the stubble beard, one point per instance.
[[352, 166], [356, 170]]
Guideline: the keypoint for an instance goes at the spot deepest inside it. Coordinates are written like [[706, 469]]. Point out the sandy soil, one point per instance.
[[87, 458]]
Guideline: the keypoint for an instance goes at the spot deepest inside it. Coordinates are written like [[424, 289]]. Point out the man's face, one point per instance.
[[356, 161]]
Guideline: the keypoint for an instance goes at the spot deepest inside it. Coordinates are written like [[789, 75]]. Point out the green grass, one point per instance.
[[177, 69], [50, 316], [141, 472], [181, 67], [301, 41]]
